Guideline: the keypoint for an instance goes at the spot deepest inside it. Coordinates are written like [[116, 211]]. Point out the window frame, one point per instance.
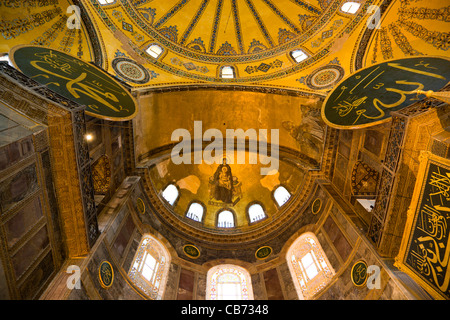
[[274, 198], [155, 44], [351, 3], [203, 213], [175, 202], [308, 288], [234, 218], [212, 289], [306, 54], [247, 211], [154, 287]]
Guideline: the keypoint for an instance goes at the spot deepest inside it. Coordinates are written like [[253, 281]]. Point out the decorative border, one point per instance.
[[357, 284], [188, 254], [263, 248], [100, 280]]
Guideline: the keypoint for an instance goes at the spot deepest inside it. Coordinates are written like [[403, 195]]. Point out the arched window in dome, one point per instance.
[[170, 194], [105, 2], [350, 7], [195, 211], [227, 72], [228, 282], [225, 219], [150, 268], [309, 266], [281, 195], [298, 55], [154, 50], [256, 212]]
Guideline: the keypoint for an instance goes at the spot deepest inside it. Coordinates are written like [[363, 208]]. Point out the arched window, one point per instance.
[[225, 219], [298, 55], [170, 194], [150, 268], [105, 2], [154, 50], [281, 195], [309, 266], [227, 72], [350, 7], [195, 211], [228, 282], [256, 212]]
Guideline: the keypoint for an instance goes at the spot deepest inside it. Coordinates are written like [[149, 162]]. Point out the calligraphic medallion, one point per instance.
[[367, 97], [316, 206], [191, 251], [425, 249], [105, 274], [359, 273], [140, 205], [77, 80], [263, 252]]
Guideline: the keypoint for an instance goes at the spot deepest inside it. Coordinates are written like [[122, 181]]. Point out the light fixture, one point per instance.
[[89, 137]]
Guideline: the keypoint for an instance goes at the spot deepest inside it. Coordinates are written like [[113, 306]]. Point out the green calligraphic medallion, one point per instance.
[[263, 252], [359, 273], [105, 274], [367, 97], [76, 80], [191, 251]]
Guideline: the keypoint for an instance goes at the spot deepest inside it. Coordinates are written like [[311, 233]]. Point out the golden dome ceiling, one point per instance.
[[255, 37]]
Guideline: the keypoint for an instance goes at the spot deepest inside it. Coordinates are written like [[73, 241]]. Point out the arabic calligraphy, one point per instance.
[[106, 274], [368, 96], [359, 273], [430, 243], [76, 80]]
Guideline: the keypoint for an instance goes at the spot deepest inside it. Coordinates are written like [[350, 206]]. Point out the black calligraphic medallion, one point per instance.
[[191, 251], [359, 273], [76, 80], [426, 251], [368, 96], [263, 252], [105, 274]]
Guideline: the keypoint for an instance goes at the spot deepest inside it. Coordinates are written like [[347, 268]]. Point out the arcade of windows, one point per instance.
[[225, 217], [308, 265]]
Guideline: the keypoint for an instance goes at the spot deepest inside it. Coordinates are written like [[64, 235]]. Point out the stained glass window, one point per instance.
[[229, 282], [309, 266], [150, 267]]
